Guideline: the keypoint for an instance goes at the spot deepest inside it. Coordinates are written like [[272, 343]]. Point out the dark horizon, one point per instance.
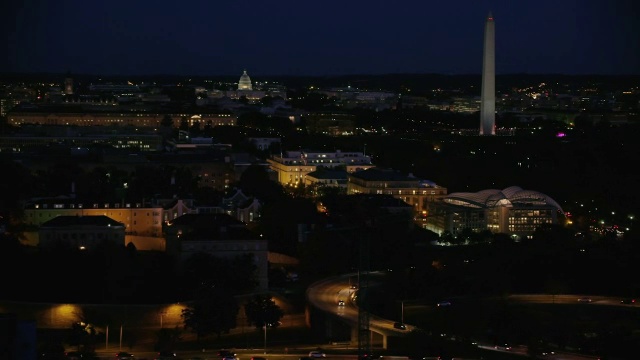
[[274, 75], [332, 38]]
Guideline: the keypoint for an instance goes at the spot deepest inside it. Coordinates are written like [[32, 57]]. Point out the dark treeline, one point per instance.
[[115, 275]]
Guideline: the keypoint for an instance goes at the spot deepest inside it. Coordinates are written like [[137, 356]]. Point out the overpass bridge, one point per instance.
[[323, 298]]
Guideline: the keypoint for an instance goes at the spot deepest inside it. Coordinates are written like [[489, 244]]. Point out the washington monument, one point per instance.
[[488, 95]]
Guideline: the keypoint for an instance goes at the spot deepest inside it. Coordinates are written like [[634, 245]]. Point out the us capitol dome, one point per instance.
[[245, 82]]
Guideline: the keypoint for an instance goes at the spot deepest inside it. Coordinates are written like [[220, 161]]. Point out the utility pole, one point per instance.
[[364, 334]]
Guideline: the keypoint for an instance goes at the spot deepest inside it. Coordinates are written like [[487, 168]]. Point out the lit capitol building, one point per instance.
[[253, 94], [245, 82]]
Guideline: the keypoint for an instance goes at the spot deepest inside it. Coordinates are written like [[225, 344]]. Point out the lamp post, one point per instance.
[[265, 338], [161, 314]]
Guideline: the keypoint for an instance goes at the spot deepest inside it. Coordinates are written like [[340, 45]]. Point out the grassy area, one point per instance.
[[592, 329], [277, 340]]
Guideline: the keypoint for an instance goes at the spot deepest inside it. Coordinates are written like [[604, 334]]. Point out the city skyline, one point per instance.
[[330, 38]]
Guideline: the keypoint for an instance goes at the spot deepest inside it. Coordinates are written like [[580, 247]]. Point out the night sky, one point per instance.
[[328, 37]]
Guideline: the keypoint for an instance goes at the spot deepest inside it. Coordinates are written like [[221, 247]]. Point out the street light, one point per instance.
[[265, 338], [161, 313]]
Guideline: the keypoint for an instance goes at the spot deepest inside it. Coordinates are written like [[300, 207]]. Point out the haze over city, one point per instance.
[[318, 38], [356, 180]]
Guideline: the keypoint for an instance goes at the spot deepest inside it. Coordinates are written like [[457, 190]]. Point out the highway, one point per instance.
[[325, 294]]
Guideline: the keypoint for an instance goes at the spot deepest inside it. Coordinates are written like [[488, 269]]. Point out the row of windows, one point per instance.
[[95, 206], [128, 146], [531, 212], [50, 216], [529, 220], [82, 236], [520, 228], [407, 192]]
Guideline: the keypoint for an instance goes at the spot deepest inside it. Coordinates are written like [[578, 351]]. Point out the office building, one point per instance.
[[292, 167], [512, 211], [78, 115], [406, 187], [220, 235], [81, 232]]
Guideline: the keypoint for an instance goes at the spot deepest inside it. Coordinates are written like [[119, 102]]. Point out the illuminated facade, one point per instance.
[[330, 123], [18, 144], [78, 117], [68, 86], [137, 218], [512, 211], [245, 82], [329, 178], [488, 93], [292, 167], [413, 191]]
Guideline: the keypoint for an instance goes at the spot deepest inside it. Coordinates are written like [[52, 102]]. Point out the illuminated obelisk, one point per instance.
[[488, 94]]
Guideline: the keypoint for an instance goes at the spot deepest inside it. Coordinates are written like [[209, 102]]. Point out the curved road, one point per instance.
[[325, 294]]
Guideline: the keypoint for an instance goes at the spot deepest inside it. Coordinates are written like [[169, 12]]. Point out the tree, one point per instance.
[[255, 181], [236, 275], [213, 311], [263, 311], [167, 131], [166, 339], [267, 101], [184, 124], [166, 121], [82, 335]]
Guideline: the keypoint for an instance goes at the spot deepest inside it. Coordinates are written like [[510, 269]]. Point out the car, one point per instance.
[[585, 299], [317, 354], [226, 353], [367, 356], [505, 347], [444, 303], [341, 302], [258, 358], [229, 358], [123, 355], [399, 325], [628, 301]]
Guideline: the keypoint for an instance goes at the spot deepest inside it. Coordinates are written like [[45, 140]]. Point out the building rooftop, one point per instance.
[[513, 195], [90, 220], [212, 227], [380, 174], [329, 174]]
